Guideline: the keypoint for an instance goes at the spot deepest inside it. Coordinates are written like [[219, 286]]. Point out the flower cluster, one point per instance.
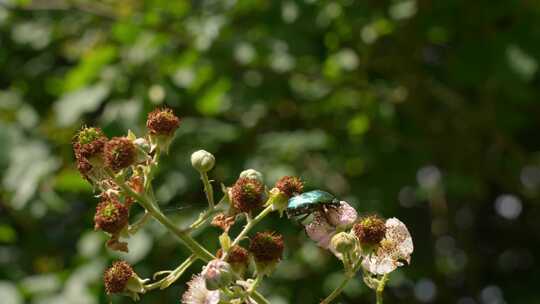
[[122, 169], [370, 243]]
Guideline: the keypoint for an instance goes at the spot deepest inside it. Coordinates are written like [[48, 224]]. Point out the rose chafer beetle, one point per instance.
[[308, 202]]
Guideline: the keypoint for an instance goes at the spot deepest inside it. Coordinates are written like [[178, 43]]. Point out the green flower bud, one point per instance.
[[252, 174], [343, 242], [202, 161]]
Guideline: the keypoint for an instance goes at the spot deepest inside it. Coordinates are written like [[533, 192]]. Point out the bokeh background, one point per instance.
[[423, 110]]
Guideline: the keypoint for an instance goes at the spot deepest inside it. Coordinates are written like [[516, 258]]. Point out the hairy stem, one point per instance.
[[250, 224], [208, 190], [380, 289], [152, 208], [183, 236], [174, 275]]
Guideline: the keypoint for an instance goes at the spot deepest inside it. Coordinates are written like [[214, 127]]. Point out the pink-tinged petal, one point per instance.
[[320, 231], [342, 215], [198, 294]]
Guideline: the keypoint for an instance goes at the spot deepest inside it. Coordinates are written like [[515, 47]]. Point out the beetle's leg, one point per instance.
[[324, 211]]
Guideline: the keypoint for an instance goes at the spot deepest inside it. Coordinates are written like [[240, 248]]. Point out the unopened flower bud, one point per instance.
[[120, 153], [238, 258], [343, 242], [267, 250], [247, 194], [370, 231], [203, 161], [120, 278], [162, 122], [111, 215], [217, 274], [252, 174], [290, 185]]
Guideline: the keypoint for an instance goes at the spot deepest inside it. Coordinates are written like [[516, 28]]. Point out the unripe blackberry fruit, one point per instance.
[[111, 215], [267, 250], [120, 153], [89, 143], [247, 194], [238, 258], [162, 122], [117, 276], [290, 185]]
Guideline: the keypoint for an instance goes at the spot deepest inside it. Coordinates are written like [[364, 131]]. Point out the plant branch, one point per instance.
[[208, 190], [183, 236], [380, 289], [250, 224], [174, 275]]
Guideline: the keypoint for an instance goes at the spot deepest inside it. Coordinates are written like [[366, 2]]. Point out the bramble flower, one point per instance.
[[198, 294], [267, 250], [320, 230], [120, 278], [238, 257], [120, 153], [395, 249], [217, 274], [202, 161], [370, 231], [323, 226], [162, 122], [247, 194], [111, 215]]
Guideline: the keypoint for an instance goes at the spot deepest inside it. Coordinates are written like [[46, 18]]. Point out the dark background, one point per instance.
[[423, 110]]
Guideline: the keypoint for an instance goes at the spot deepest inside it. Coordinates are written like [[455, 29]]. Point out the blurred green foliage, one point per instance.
[[424, 110]]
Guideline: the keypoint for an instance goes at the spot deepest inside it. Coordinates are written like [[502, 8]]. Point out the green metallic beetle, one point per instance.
[[308, 202]]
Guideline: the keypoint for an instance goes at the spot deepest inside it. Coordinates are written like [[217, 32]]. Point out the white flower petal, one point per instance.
[[198, 294], [396, 247]]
